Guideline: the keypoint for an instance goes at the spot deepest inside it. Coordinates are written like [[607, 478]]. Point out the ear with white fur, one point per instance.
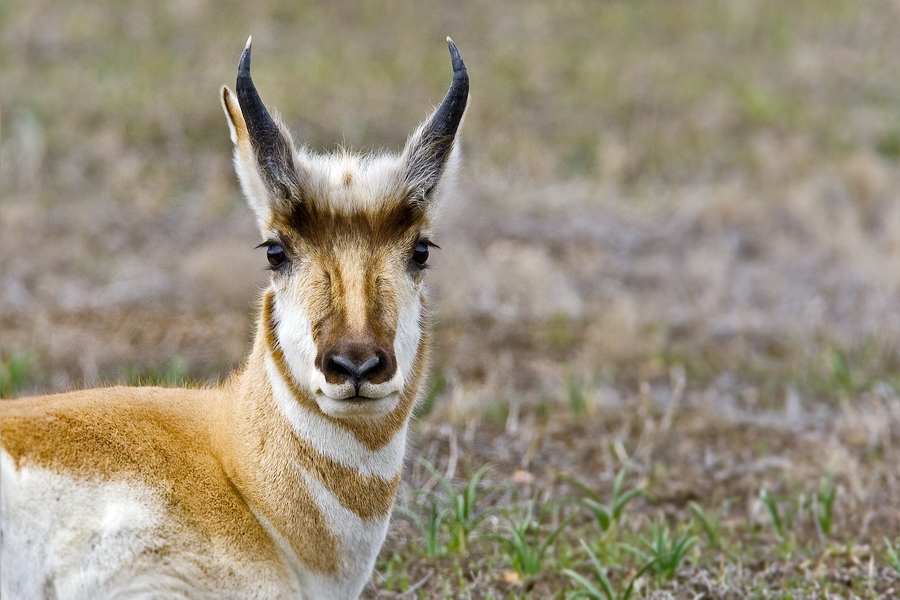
[[431, 154], [264, 154]]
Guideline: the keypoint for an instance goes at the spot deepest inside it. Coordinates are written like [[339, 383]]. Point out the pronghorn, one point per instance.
[[280, 482]]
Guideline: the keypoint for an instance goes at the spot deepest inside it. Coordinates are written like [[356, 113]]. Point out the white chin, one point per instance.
[[357, 407]]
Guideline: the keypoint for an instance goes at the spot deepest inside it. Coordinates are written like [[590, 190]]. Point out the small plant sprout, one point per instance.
[[173, 374], [711, 523], [823, 503], [771, 503], [666, 554], [577, 401], [429, 525], [461, 515], [608, 514], [525, 545], [605, 592], [841, 372], [15, 373], [392, 573], [893, 553]]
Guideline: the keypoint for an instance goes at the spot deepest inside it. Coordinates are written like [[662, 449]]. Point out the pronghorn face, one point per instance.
[[348, 298], [347, 238]]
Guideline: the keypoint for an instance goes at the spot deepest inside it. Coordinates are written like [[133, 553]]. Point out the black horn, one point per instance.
[[427, 151], [272, 149], [260, 124], [446, 118]]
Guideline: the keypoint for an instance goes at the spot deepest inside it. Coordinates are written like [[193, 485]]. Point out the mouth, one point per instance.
[[356, 405], [359, 399], [352, 395]]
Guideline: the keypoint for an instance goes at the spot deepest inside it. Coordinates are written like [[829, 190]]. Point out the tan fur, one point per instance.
[[241, 138], [160, 436], [271, 480]]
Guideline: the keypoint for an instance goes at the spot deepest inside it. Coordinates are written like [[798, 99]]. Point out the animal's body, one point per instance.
[[279, 483]]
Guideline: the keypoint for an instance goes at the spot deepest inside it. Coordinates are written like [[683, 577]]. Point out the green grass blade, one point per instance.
[[771, 505], [590, 590], [620, 503], [893, 555], [599, 571], [630, 589], [710, 527]]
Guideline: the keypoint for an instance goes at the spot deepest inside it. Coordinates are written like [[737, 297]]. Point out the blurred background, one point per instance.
[[709, 183], [656, 196]]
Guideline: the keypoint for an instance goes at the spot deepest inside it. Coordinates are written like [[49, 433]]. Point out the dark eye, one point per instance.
[[420, 254], [275, 254]]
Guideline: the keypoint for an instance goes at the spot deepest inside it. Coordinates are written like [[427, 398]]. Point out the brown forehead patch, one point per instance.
[[321, 226]]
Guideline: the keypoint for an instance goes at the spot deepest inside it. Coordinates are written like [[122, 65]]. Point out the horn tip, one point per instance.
[[244, 63], [455, 57]]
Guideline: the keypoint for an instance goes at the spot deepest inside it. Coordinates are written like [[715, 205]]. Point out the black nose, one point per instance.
[[356, 364], [352, 370]]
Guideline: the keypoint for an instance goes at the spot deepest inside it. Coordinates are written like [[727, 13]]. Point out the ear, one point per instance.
[[431, 154], [264, 154]]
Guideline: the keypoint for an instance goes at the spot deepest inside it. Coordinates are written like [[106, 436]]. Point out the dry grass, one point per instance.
[[654, 193]]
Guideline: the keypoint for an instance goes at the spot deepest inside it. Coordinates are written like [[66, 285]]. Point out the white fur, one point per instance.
[[70, 532], [409, 332], [298, 573], [66, 537], [294, 332], [373, 180], [254, 189], [364, 539]]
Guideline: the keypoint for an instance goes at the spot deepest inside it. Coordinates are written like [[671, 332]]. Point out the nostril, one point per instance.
[[356, 372], [344, 366], [368, 366]]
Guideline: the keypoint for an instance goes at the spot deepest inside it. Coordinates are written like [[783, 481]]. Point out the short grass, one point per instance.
[[716, 515]]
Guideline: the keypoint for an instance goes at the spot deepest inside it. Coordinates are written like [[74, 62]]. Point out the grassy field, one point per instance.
[[668, 335]]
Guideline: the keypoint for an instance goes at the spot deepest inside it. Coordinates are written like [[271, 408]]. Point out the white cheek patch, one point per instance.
[[294, 333], [409, 334]]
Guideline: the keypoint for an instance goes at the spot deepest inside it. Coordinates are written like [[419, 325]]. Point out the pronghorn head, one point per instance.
[[347, 238]]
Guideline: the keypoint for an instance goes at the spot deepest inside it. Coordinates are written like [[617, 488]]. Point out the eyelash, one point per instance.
[[275, 253], [420, 251]]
